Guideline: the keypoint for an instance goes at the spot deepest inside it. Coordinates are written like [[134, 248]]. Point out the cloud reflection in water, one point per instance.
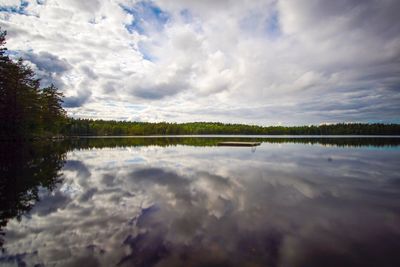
[[284, 205]]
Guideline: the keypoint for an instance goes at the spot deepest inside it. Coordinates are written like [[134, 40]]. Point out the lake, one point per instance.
[[183, 201]]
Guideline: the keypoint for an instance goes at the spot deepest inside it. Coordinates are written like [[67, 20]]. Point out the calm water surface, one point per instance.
[[189, 203]]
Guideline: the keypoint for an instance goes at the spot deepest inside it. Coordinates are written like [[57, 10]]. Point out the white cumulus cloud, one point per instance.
[[262, 61]]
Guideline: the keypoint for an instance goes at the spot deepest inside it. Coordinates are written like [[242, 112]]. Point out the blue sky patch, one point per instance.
[[15, 9], [272, 25], [12, 53], [257, 23], [186, 16], [147, 17], [145, 52]]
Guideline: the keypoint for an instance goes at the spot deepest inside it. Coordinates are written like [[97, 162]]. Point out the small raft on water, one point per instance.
[[238, 143]]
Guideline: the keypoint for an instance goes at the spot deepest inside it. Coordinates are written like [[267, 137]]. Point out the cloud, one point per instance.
[[13, 6], [157, 91], [78, 100], [175, 57], [47, 62], [147, 17], [184, 205]]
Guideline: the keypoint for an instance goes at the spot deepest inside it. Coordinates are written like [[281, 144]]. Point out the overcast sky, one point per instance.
[[261, 62]]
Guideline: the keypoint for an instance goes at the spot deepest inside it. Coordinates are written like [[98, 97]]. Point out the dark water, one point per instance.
[[187, 202]]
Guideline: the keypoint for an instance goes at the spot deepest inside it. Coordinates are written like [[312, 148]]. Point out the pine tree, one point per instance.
[[26, 110]]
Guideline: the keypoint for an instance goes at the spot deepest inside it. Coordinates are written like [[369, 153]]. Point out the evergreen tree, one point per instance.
[[53, 115], [26, 110]]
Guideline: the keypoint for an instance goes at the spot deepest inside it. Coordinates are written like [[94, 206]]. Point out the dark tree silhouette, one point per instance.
[[53, 115], [101, 127], [26, 110], [24, 167]]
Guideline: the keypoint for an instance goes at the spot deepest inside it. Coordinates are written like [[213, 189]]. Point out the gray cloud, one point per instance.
[[47, 62], [48, 67], [77, 101], [89, 72], [281, 58], [158, 91]]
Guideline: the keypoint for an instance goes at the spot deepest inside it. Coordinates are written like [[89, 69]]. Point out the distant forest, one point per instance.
[[28, 111], [84, 127]]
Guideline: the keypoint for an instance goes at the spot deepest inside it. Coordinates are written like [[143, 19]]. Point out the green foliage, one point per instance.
[[53, 115], [86, 127], [26, 110]]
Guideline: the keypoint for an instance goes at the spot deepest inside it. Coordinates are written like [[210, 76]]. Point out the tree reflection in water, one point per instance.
[[25, 168], [166, 202]]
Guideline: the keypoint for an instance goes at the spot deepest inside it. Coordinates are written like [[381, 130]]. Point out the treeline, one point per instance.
[[87, 127], [111, 142], [26, 109]]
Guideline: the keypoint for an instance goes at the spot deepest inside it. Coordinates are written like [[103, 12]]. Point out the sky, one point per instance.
[[265, 62]]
